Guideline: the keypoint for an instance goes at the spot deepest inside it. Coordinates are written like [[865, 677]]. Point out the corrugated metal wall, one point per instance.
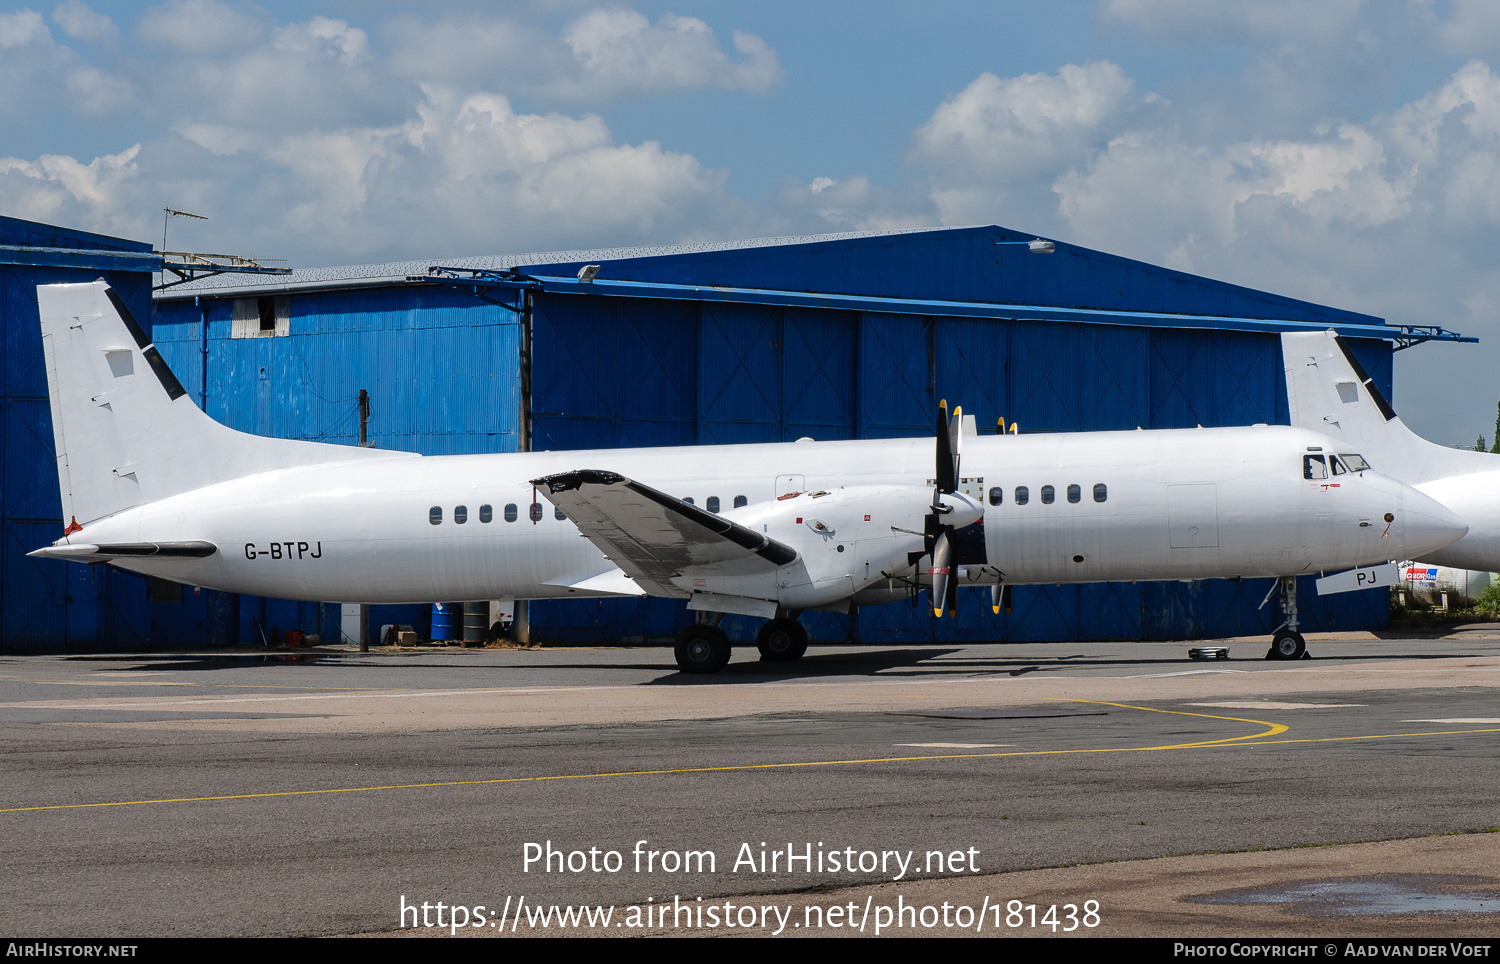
[[48, 605], [440, 368]]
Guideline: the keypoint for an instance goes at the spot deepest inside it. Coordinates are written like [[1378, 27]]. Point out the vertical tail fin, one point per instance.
[[1329, 391], [126, 431]]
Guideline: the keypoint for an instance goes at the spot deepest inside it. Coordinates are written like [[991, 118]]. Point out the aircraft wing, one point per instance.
[[654, 537]]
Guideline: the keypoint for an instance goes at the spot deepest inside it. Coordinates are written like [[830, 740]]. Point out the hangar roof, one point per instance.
[[396, 272], [981, 266]]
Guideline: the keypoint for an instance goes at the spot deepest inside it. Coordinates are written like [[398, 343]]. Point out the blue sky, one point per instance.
[[1344, 151]]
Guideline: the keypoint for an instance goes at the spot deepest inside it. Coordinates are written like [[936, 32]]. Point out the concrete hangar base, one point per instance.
[[836, 336]]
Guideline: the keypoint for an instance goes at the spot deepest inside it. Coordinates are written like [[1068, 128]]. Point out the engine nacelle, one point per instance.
[[846, 538]]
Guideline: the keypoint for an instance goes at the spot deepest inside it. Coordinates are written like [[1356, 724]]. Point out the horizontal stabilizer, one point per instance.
[[84, 552], [653, 536]]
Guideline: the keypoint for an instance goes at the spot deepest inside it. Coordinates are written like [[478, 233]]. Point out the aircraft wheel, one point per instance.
[[781, 641], [702, 649], [1287, 645]]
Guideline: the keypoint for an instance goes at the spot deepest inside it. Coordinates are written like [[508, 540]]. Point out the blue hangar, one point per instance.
[[835, 336]]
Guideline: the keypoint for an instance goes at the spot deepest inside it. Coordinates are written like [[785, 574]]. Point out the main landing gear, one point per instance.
[[704, 648], [1286, 642], [781, 640]]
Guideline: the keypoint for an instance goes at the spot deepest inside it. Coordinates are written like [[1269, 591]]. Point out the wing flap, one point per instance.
[[654, 537]]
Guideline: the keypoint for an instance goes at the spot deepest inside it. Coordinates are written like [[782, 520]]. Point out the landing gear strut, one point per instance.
[[1286, 642], [781, 640]]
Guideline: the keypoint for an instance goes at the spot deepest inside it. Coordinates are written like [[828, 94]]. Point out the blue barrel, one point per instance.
[[447, 621]]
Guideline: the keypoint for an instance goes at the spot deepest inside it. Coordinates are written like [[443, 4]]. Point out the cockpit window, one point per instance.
[[1313, 467], [1335, 465], [1354, 462]]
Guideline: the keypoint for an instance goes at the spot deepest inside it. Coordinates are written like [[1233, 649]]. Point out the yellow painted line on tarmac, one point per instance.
[[1273, 729], [1372, 736]]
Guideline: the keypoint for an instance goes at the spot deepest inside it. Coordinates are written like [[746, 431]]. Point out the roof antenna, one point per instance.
[[169, 213]]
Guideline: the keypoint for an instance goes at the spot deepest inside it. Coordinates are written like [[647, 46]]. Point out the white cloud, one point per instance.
[[81, 22], [462, 175], [315, 74], [63, 190], [602, 56], [200, 26], [37, 74], [22, 28], [997, 137], [852, 203], [1473, 26], [476, 51], [622, 54], [1236, 21]]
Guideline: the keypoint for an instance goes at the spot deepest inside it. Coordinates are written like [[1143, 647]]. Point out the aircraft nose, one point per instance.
[[1427, 525]]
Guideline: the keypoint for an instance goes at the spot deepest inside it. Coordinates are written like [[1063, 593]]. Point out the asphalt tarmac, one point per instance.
[[1114, 789]]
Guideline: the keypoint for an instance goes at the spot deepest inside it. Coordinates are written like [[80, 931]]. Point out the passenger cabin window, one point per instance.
[[740, 500], [558, 514], [460, 514], [510, 512], [486, 513], [1048, 493], [536, 512], [997, 495], [1022, 495], [1100, 492], [689, 500], [1074, 493], [713, 504], [1313, 467], [435, 515]]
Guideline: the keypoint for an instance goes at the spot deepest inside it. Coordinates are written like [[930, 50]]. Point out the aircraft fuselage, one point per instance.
[[1098, 506]]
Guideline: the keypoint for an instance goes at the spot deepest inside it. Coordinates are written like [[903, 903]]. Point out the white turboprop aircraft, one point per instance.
[[153, 485], [1329, 392]]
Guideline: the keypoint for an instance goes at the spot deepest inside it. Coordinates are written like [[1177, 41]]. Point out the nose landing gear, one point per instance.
[[1286, 642]]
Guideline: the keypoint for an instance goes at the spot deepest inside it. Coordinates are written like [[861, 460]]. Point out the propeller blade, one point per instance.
[[942, 574], [946, 474], [952, 602]]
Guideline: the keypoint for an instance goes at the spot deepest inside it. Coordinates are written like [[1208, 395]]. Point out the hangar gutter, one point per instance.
[[909, 306]]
